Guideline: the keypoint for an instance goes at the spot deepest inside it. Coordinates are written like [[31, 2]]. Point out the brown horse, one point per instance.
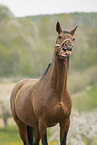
[[38, 104]]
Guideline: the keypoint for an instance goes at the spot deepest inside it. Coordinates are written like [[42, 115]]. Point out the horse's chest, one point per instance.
[[56, 113], [50, 107]]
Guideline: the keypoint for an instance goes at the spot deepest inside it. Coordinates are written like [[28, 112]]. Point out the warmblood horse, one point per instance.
[[38, 104]]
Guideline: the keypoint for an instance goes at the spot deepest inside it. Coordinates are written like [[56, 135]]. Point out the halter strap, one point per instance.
[[60, 45]]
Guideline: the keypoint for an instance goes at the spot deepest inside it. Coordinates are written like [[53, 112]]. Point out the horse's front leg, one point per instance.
[[64, 126], [43, 132], [37, 136]]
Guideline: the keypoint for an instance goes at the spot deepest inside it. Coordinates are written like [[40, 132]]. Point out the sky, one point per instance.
[[22, 8]]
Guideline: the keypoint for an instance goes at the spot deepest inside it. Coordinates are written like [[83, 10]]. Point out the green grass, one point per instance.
[[11, 137], [86, 100]]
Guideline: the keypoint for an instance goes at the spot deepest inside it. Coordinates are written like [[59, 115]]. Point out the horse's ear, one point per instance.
[[58, 28], [73, 31]]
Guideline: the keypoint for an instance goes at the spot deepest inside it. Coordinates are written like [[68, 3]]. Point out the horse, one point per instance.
[[37, 104]]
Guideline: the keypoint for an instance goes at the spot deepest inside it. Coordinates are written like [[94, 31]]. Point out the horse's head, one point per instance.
[[64, 43]]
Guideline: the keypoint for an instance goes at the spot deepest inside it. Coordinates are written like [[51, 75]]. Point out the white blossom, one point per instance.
[[82, 131]]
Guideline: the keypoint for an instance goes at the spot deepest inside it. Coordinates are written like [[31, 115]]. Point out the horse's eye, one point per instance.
[[59, 37], [73, 39]]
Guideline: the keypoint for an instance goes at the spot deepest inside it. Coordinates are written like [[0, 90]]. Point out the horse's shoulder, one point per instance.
[[23, 101]]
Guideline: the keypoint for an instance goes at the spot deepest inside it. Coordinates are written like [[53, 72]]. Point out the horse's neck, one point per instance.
[[59, 74], [56, 77]]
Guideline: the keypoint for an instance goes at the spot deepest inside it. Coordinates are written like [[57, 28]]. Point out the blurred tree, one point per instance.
[[5, 13], [5, 113]]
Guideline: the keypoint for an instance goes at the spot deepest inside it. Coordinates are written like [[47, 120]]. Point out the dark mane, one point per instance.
[[45, 72]]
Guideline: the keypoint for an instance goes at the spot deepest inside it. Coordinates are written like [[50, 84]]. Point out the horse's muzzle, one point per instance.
[[66, 50], [69, 47]]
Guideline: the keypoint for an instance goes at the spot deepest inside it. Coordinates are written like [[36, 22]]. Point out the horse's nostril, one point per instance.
[[64, 49], [69, 49]]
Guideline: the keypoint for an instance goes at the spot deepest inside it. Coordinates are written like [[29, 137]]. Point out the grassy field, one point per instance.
[[85, 100], [11, 137]]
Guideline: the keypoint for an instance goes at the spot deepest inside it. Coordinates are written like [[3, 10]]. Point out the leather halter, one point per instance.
[[60, 45]]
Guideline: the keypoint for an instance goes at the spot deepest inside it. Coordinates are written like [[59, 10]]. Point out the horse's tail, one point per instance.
[[30, 134]]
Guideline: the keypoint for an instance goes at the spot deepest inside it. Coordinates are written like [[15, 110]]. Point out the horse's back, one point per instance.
[[21, 103]]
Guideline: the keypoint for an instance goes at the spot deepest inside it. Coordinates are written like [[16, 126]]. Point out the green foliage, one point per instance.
[[86, 100], [79, 80], [5, 13]]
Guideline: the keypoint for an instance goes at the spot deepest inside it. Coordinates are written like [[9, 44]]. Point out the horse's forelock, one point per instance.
[[66, 32]]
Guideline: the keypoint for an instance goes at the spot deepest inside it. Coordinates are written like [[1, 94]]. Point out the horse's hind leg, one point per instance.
[[30, 134], [44, 140]]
